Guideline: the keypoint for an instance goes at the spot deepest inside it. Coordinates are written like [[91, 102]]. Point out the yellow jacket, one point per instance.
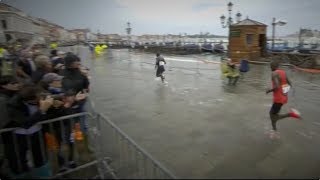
[[53, 45], [227, 71], [98, 49], [1, 52]]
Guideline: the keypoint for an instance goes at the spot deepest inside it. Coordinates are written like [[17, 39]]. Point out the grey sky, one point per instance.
[[169, 16]]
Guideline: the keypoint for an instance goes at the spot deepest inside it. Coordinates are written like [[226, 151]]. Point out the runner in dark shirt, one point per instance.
[[160, 62]]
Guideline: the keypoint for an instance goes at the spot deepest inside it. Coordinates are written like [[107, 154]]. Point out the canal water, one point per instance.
[[200, 127]]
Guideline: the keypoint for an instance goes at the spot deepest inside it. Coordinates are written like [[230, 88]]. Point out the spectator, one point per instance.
[[3, 51], [25, 66], [74, 79], [61, 54], [58, 62], [64, 104], [9, 61], [43, 65], [36, 53], [53, 45], [9, 86], [25, 110], [53, 54], [51, 82]]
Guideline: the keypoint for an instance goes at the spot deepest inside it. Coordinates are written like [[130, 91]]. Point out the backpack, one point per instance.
[[244, 66]]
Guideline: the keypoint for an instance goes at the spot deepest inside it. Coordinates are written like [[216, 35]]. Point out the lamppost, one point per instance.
[[78, 34], [229, 22], [185, 36], [128, 29], [274, 23]]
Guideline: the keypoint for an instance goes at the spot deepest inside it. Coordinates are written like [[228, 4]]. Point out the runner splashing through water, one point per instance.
[[160, 62], [280, 88]]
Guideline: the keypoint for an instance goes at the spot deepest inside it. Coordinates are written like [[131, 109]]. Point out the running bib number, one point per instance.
[[285, 89], [161, 63]]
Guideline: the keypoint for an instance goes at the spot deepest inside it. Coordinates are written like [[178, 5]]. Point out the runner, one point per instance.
[[280, 88], [160, 62], [91, 48]]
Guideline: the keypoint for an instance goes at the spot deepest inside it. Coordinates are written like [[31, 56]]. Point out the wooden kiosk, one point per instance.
[[247, 40]]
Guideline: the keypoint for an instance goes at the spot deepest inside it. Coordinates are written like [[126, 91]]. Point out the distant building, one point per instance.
[[63, 34], [6, 7], [92, 37], [53, 32], [81, 34], [113, 38], [17, 26], [306, 33], [72, 36]]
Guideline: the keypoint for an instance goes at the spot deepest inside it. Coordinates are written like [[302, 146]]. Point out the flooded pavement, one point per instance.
[[198, 126]]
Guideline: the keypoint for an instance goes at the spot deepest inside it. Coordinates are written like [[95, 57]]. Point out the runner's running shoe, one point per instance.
[[295, 113]]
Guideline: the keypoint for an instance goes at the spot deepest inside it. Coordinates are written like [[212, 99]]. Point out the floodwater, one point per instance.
[[200, 127]]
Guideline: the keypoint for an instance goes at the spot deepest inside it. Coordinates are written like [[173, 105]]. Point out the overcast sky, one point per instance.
[[169, 16]]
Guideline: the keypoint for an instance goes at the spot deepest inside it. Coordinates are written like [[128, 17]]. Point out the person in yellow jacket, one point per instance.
[[104, 46], [2, 51], [53, 45], [6, 66], [98, 50], [230, 71]]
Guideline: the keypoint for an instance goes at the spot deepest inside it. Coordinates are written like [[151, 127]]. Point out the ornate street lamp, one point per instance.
[[238, 18], [274, 24], [230, 5], [223, 20], [229, 21]]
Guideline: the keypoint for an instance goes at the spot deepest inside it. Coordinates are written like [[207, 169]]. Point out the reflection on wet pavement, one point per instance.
[[199, 126]]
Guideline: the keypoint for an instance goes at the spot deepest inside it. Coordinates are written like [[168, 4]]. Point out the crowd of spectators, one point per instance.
[[36, 86]]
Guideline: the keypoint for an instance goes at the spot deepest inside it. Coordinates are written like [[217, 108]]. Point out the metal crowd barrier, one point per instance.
[[49, 154], [130, 161], [116, 155]]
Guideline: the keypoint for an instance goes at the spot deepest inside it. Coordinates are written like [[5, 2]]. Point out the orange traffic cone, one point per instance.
[[77, 132], [51, 142]]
